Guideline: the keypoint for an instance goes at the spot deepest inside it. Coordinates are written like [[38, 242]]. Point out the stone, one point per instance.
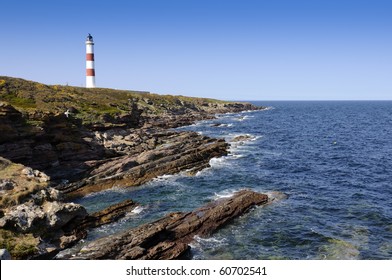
[[42, 177], [36, 174], [26, 217], [28, 172], [242, 138], [59, 214], [4, 254], [39, 219], [6, 184]]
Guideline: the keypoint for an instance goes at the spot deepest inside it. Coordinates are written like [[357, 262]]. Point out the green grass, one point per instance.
[[92, 105], [19, 245]]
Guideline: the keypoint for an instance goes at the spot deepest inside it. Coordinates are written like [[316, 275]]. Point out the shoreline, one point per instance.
[[44, 166]]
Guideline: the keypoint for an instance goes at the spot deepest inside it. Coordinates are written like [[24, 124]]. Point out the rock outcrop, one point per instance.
[[58, 225], [46, 216], [61, 142], [105, 216], [168, 238], [158, 153], [242, 138]]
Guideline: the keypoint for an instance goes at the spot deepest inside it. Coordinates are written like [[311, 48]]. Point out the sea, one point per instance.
[[328, 164]]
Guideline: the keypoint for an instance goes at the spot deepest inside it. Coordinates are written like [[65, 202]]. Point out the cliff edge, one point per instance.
[[61, 142]]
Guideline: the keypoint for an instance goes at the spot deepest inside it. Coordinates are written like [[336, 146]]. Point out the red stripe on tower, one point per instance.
[[89, 56], [90, 69], [90, 72]]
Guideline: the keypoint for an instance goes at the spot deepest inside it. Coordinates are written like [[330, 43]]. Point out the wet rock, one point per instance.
[[168, 238], [106, 216], [242, 138], [172, 153]]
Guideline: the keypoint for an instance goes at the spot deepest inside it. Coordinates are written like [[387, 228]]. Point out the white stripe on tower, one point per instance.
[[90, 69]]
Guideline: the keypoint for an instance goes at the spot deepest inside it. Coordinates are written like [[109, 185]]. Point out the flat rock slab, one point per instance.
[[168, 238]]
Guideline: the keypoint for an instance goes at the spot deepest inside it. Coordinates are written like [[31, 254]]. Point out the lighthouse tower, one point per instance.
[[90, 70]]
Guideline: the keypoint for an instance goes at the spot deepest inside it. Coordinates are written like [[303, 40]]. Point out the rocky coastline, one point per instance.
[[58, 143]]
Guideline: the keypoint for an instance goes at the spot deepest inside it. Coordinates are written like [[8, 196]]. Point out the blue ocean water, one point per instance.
[[333, 160]]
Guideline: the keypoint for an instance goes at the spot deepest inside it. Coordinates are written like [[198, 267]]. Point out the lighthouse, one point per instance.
[[90, 70]]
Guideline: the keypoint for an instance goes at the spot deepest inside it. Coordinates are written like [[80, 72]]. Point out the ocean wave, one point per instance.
[[275, 196], [137, 210], [236, 156], [221, 125], [167, 180], [226, 193], [218, 161], [243, 118], [210, 242], [165, 177], [226, 115]]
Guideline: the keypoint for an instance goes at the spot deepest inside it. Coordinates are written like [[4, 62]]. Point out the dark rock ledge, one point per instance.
[[168, 152], [168, 238]]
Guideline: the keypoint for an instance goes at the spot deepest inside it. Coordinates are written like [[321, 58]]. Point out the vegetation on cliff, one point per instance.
[[96, 105]]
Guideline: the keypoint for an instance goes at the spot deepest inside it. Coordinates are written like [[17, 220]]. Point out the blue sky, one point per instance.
[[234, 50]]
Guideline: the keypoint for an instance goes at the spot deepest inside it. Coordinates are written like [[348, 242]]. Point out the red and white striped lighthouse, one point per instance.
[[90, 70]]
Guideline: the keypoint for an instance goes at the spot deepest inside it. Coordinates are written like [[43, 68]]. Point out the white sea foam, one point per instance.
[[243, 118], [250, 137], [166, 180], [225, 194], [219, 196], [137, 210], [218, 162], [115, 189], [235, 156], [222, 125], [225, 115], [275, 196], [165, 177], [210, 242]]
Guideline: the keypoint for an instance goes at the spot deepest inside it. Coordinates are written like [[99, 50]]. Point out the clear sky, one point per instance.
[[233, 50]]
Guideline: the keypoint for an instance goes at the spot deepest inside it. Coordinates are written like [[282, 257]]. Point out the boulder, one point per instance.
[[6, 184], [4, 254], [41, 214], [242, 138], [30, 173]]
